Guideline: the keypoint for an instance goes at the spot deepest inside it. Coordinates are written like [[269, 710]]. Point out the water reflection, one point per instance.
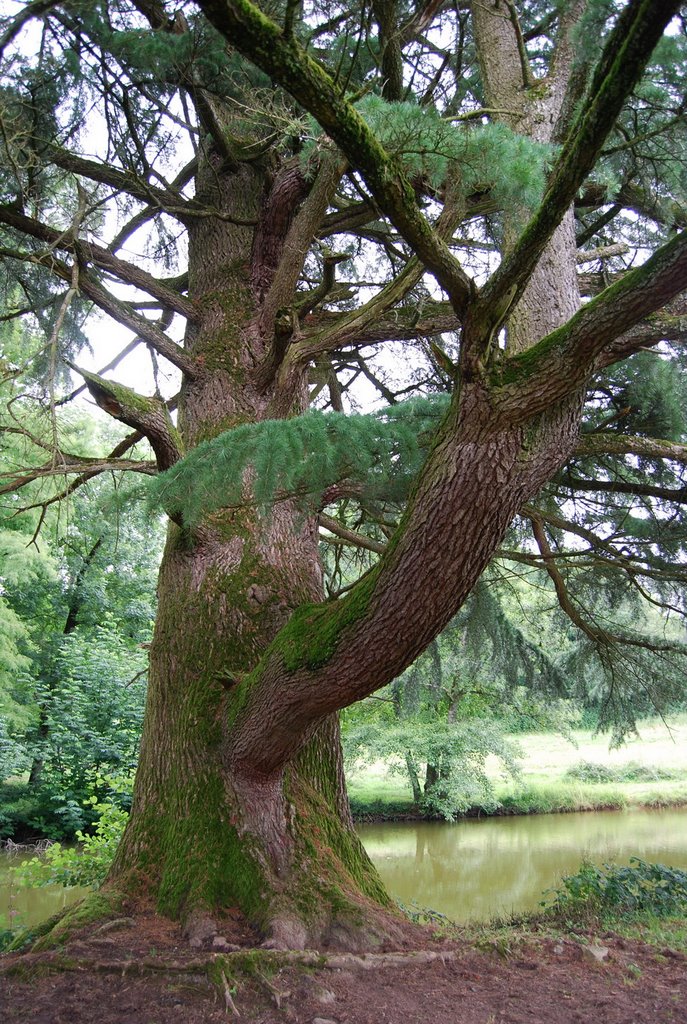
[[471, 870], [474, 870], [20, 907]]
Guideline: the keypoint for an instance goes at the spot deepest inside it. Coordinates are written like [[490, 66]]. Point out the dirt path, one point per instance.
[[141, 972]]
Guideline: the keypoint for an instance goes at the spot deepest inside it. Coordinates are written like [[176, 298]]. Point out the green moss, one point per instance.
[[123, 396], [97, 906], [311, 635]]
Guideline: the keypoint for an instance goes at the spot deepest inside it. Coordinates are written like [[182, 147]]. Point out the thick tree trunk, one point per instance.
[[203, 835], [206, 833]]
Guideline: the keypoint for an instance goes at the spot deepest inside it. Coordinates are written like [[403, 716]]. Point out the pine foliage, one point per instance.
[[301, 457], [475, 159]]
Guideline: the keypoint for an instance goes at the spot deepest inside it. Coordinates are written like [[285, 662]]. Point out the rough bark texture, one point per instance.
[[206, 833]]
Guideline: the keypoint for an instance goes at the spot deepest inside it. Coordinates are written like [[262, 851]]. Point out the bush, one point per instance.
[[88, 863], [604, 893], [37, 814], [632, 771]]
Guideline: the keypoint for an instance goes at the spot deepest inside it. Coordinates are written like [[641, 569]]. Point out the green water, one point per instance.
[[478, 869], [20, 907], [471, 870]]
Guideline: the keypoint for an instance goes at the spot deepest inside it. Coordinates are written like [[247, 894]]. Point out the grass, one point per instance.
[[650, 770]]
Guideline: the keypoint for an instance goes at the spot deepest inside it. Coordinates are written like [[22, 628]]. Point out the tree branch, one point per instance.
[[88, 252], [594, 445], [148, 415], [258, 38], [562, 361], [65, 464], [357, 540]]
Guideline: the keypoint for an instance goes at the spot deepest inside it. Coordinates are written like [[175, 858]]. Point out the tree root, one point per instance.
[[247, 962], [224, 972]]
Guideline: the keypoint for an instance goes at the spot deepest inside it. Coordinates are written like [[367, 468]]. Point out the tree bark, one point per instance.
[[206, 833]]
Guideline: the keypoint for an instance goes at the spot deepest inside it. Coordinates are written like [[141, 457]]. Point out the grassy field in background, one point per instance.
[[543, 786]]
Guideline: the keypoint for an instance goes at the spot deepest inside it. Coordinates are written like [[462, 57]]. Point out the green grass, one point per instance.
[[650, 770]]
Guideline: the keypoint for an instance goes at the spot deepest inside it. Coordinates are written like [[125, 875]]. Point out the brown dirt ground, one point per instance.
[[142, 972]]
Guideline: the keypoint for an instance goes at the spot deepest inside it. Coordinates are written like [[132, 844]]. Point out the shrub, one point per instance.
[[88, 863], [603, 893], [632, 771]]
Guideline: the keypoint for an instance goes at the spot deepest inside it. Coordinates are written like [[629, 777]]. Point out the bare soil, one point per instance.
[[140, 970]]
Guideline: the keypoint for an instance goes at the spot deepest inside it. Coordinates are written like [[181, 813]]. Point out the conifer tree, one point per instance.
[[271, 198]]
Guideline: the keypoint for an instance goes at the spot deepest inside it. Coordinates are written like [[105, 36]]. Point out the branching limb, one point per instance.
[[292, 250], [88, 252], [598, 636], [636, 33], [259, 39], [148, 415], [561, 362], [366, 322], [64, 464]]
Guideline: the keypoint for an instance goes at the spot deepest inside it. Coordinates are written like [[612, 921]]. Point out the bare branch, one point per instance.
[[341, 533]]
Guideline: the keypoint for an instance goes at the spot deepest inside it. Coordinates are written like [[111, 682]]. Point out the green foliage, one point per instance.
[[88, 863], [301, 456], [456, 751], [474, 159], [633, 771], [651, 394], [92, 712], [608, 892]]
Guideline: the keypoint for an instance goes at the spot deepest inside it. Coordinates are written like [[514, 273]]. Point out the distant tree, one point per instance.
[[296, 189], [440, 720]]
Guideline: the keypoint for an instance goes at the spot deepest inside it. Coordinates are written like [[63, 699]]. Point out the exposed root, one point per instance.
[[228, 1000], [229, 965]]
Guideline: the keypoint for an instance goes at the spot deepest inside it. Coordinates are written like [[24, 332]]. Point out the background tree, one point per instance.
[[78, 604], [292, 188]]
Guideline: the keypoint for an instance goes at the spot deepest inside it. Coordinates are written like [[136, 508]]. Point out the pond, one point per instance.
[[469, 870], [478, 869], [27, 906]]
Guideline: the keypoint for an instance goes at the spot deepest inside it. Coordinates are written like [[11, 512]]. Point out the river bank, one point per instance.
[[557, 775]]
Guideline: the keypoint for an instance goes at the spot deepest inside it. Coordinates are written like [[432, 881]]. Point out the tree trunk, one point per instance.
[[204, 834]]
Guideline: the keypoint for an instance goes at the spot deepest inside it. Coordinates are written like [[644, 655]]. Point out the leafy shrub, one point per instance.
[[602, 893], [88, 863], [632, 771], [31, 814]]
